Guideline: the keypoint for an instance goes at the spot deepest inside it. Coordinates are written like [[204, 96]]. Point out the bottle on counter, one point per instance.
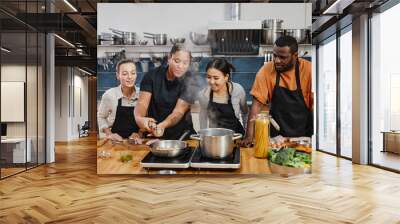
[[261, 136]]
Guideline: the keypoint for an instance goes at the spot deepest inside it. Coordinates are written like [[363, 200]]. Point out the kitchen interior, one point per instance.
[[240, 33], [53, 73]]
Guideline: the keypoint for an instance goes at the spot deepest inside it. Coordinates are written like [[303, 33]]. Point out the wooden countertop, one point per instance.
[[249, 164]]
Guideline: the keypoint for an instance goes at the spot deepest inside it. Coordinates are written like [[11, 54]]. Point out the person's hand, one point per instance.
[[115, 137], [136, 139], [149, 124], [159, 130], [246, 142]]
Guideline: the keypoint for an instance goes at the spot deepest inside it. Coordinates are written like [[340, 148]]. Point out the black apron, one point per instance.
[[289, 110], [165, 95], [124, 123], [223, 115]]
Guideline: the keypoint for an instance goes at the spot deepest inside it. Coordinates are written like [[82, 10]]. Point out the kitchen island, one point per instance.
[[113, 165]]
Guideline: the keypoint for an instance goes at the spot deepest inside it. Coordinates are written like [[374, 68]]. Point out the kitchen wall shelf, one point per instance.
[[149, 49]]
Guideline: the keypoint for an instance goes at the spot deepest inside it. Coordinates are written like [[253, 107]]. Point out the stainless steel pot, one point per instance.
[[216, 143], [177, 40], [118, 40], [198, 39], [143, 42], [106, 39], [301, 35], [272, 23], [270, 35], [170, 148], [128, 38], [158, 39]]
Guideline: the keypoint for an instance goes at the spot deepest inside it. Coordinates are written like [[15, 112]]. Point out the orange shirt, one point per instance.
[[264, 83]]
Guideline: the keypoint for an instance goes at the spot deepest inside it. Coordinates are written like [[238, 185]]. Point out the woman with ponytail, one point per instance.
[[222, 102]]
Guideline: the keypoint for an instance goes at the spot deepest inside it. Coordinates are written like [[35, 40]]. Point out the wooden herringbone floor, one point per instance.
[[69, 191]]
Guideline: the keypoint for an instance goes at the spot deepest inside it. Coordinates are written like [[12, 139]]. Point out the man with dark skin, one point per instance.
[[283, 86]]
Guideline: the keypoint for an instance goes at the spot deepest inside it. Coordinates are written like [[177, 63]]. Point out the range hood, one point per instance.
[[233, 21], [235, 36], [235, 25]]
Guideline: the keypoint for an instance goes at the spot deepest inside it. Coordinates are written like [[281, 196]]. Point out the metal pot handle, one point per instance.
[[149, 34], [237, 136], [195, 137]]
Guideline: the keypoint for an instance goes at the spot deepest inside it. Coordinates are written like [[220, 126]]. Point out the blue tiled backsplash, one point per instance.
[[246, 69]]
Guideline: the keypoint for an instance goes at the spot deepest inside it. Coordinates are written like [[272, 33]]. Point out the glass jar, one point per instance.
[[261, 135]]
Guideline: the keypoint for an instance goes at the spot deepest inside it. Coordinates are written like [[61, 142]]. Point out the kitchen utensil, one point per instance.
[[216, 143], [301, 35], [105, 39], [270, 35], [198, 39], [272, 23], [158, 39], [128, 38], [117, 40], [170, 148], [268, 56], [143, 42], [177, 40], [275, 124]]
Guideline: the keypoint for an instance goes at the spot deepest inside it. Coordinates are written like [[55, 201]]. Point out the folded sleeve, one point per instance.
[[104, 111], [260, 88]]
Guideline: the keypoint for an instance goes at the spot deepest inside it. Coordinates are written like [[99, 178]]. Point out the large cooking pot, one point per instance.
[[216, 143], [301, 35], [128, 38], [270, 35], [158, 39], [272, 23]]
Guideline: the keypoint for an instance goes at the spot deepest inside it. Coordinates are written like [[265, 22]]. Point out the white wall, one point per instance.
[[69, 81], [294, 15], [33, 126], [61, 103], [178, 19], [14, 73]]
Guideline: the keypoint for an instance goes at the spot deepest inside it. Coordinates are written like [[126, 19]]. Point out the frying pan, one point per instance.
[[170, 148]]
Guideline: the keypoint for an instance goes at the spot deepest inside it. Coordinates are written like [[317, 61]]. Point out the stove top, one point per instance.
[[231, 162], [192, 158], [180, 162]]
